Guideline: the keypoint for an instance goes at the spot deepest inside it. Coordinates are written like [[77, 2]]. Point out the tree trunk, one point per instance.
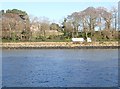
[[86, 34], [115, 22], [77, 31], [100, 26], [10, 29], [44, 33]]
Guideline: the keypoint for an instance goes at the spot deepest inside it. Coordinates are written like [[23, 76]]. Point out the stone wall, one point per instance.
[[59, 45]]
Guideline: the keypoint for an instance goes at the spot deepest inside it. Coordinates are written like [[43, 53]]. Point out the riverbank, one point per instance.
[[36, 45]]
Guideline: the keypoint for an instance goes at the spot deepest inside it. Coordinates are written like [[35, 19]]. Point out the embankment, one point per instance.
[[59, 45]]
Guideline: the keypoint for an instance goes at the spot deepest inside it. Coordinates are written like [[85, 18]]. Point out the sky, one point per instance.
[[55, 11]]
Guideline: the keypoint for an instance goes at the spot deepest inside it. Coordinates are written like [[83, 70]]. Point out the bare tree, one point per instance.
[[91, 16], [45, 25], [100, 21]]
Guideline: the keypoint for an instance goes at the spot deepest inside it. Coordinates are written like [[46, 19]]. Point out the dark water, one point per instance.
[[60, 68]]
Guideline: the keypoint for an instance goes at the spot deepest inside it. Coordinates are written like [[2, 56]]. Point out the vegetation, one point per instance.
[[97, 23]]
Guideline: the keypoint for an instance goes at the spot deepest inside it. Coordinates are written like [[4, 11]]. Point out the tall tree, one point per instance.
[[75, 19]]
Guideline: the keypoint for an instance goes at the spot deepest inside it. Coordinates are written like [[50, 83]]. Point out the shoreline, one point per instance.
[[59, 45]]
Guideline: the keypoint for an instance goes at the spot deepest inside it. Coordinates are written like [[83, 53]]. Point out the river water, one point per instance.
[[60, 68]]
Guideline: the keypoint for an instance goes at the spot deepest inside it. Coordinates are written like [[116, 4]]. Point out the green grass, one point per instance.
[[39, 40]]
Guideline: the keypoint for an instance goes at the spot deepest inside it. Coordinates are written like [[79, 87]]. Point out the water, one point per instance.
[[60, 68]]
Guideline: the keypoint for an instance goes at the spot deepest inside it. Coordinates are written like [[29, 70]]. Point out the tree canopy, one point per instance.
[[96, 23]]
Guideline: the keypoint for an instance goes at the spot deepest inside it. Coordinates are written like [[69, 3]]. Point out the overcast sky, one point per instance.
[[55, 11]]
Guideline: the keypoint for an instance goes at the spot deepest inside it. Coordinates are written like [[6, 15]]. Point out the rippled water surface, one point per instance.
[[60, 67]]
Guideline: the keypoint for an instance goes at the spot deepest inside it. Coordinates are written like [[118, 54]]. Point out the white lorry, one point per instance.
[[76, 40]]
